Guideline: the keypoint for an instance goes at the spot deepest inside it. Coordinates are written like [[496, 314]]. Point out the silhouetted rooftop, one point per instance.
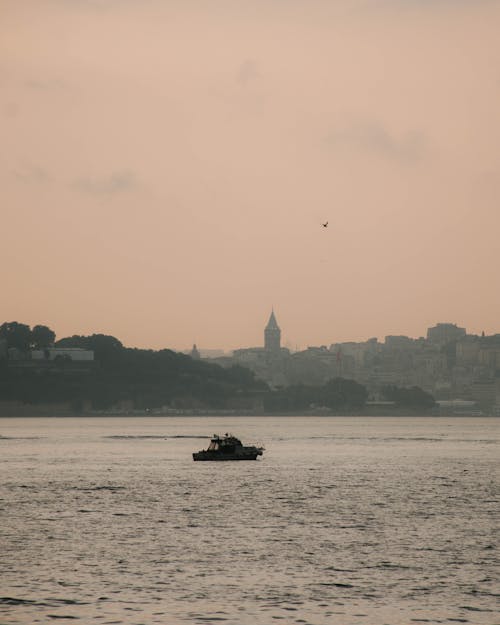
[[272, 324]]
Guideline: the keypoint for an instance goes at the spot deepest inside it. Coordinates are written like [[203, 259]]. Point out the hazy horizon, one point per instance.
[[259, 341], [166, 167]]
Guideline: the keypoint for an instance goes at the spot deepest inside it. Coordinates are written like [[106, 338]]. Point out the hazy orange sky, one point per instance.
[[166, 165]]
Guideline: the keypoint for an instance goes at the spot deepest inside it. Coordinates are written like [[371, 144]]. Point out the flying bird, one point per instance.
[[325, 225]]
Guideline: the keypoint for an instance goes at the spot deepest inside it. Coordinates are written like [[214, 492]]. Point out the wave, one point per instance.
[[151, 436], [50, 602], [19, 438], [94, 488], [389, 439], [337, 584]]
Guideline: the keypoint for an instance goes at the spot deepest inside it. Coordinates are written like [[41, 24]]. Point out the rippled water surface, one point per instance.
[[343, 520]]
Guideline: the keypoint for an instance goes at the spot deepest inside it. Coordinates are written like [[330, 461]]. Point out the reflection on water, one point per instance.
[[342, 521]]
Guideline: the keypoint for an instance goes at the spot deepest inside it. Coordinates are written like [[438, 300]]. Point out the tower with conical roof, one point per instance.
[[272, 335]]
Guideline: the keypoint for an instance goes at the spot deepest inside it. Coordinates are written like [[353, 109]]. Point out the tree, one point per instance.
[[105, 347], [42, 336], [336, 394], [413, 397], [16, 334], [342, 393]]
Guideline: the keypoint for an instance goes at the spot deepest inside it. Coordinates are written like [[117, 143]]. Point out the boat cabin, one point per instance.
[[226, 443]]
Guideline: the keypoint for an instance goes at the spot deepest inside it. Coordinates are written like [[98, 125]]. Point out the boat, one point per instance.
[[228, 447]]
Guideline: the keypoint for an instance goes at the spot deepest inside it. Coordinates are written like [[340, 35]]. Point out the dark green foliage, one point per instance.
[[42, 336], [22, 337], [149, 379], [298, 397], [341, 393], [106, 348], [413, 397], [16, 334], [337, 394]]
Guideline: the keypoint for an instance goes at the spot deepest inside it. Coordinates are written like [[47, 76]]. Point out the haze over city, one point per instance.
[[166, 168], [250, 312]]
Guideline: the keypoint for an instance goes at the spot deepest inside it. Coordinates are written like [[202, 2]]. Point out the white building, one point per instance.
[[66, 353]]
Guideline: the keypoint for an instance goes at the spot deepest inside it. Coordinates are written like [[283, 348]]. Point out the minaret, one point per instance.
[[272, 335], [195, 354]]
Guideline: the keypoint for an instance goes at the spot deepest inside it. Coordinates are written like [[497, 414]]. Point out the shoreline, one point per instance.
[[402, 414]]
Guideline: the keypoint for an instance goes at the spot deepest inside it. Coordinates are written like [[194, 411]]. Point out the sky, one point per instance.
[[166, 165]]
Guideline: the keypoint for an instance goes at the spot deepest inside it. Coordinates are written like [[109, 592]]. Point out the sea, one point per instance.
[[343, 520]]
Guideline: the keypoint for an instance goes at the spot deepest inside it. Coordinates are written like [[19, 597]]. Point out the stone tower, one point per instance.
[[272, 335]]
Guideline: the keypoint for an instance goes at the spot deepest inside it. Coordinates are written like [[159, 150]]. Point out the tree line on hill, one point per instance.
[[22, 337], [149, 379]]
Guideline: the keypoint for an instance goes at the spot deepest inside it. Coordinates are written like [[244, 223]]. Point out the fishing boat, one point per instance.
[[228, 447]]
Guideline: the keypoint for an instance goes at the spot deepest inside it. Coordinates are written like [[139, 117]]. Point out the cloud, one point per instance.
[[428, 4], [374, 137], [247, 71], [29, 173], [116, 182], [44, 85], [10, 109]]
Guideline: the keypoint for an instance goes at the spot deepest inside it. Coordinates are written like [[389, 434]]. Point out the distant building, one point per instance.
[[448, 363], [457, 406], [314, 365], [443, 333], [14, 353], [268, 362], [72, 360], [484, 392], [212, 353], [272, 335], [398, 342], [467, 351], [195, 354]]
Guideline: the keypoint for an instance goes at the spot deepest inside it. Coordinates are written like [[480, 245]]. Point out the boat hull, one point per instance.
[[218, 457]]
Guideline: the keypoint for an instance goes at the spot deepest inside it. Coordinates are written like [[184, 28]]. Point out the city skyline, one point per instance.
[[167, 168], [260, 341], [275, 219], [287, 343]]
